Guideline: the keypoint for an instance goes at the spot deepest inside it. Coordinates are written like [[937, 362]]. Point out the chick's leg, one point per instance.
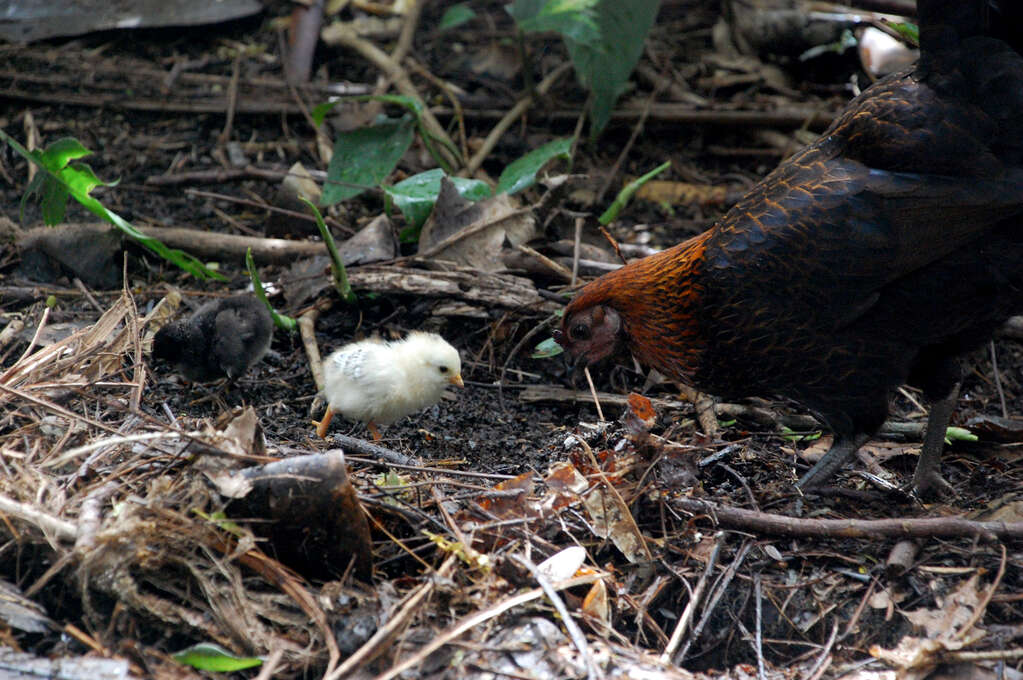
[[371, 426], [841, 451], [928, 469], [321, 427]]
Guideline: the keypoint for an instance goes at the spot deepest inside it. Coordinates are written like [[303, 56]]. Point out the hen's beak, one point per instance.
[[456, 380]]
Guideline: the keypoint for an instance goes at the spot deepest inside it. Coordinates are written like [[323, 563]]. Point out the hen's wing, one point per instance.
[[911, 173]]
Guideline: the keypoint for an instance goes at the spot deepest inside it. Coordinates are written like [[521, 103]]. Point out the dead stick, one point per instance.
[[781, 525]]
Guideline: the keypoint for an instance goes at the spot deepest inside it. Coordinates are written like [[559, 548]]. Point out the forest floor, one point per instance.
[[699, 557]]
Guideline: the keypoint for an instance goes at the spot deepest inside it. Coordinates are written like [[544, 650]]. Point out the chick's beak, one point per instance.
[[456, 380]]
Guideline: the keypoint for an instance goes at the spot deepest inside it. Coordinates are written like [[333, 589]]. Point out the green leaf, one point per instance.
[[207, 656], [791, 435], [907, 31], [521, 174], [280, 320], [416, 195], [605, 66], [960, 434], [574, 19], [625, 195], [456, 16], [63, 179], [320, 111], [337, 266], [364, 158], [547, 349]]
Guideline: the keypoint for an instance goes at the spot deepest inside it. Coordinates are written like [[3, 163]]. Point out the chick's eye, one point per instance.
[[580, 331], [442, 369]]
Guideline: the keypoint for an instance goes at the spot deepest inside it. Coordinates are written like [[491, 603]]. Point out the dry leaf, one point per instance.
[[472, 234]]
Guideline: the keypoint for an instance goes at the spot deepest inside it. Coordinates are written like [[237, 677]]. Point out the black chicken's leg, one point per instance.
[[928, 469], [841, 451]]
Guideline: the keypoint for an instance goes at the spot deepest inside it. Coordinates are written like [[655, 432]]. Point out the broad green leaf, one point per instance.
[[456, 16], [521, 173], [416, 195], [364, 158], [207, 656], [604, 67], [547, 349], [573, 19], [60, 153]]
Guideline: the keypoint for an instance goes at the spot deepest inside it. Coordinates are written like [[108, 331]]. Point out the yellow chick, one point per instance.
[[378, 382]]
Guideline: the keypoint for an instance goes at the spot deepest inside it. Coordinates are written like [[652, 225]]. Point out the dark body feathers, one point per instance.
[[221, 339], [874, 257]]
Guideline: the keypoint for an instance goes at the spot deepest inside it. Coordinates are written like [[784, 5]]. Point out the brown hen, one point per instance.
[[873, 258]]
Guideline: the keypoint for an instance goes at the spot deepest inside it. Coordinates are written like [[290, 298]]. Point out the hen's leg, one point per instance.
[[928, 469], [841, 451], [321, 427]]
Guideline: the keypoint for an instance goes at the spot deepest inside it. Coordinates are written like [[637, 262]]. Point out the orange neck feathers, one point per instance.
[[660, 292]]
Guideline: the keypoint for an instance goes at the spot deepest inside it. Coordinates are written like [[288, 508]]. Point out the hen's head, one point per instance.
[[590, 333]]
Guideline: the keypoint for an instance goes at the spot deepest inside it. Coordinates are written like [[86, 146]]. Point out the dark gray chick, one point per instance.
[[221, 338]]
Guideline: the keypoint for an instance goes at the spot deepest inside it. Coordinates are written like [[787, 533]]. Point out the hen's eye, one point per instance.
[[442, 369], [580, 331]]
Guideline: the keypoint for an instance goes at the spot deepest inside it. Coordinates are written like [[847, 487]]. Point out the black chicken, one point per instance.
[[873, 258]]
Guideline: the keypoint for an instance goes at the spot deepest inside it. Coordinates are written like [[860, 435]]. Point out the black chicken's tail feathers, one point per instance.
[[973, 50], [945, 23]]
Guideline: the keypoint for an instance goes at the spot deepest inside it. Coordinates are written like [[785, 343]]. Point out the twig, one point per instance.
[[694, 601], [574, 632], [45, 522], [511, 116], [998, 379], [232, 100], [386, 634], [854, 620], [758, 632], [559, 269], [456, 105], [593, 391], [781, 525], [623, 507], [577, 243], [340, 34], [636, 130], [981, 607], [614, 244], [366, 448], [420, 468], [270, 666], [474, 620], [307, 329], [719, 591], [88, 295], [461, 234], [824, 658]]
